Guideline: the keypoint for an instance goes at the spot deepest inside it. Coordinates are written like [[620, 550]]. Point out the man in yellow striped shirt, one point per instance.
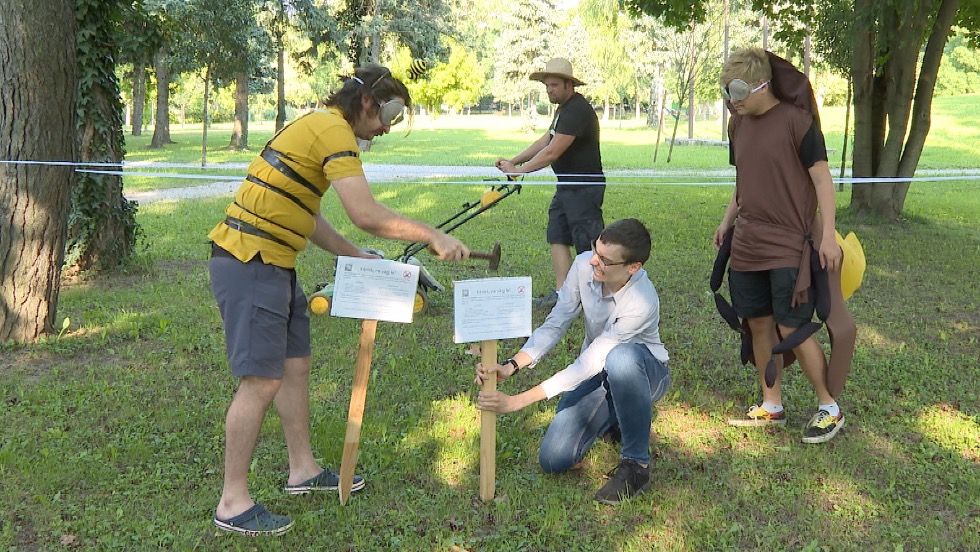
[[276, 211]]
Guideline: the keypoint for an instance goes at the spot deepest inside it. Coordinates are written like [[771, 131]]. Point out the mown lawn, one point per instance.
[[112, 432]]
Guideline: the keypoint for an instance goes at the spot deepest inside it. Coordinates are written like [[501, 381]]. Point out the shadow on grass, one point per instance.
[[112, 436]]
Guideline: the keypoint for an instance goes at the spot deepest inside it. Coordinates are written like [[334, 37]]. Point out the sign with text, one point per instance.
[[492, 308], [374, 289]]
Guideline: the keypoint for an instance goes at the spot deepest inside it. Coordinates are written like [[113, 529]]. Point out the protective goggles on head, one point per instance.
[[391, 112], [738, 90]]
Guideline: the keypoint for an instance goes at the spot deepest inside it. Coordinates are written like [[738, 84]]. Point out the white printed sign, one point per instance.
[[492, 308], [374, 289]]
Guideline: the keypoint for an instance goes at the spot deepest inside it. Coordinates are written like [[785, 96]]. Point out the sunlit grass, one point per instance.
[[112, 434]]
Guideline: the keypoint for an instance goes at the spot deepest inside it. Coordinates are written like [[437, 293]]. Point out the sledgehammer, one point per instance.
[[493, 256]]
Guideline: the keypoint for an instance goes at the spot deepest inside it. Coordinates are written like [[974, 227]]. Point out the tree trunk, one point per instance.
[[280, 83], [139, 98], [892, 108], [102, 224], [205, 116], [161, 130], [37, 122], [239, 131], [922, 104]]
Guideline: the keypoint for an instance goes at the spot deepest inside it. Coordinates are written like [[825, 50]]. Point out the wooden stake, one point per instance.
[[488, 427], [355, 415]]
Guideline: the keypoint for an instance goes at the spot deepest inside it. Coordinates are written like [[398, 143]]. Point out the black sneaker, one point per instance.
[[546, 301], [822, 427], [629, 480]]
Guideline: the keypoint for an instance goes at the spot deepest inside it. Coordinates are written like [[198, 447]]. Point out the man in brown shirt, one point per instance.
[[782, 179]]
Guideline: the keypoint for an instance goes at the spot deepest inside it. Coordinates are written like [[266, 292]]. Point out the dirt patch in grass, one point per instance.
[[161, 270]]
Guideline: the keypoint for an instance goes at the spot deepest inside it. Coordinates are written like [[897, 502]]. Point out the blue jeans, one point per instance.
[[623, 394]]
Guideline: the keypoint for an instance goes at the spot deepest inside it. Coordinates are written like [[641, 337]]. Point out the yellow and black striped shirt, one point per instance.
[[274, 208]]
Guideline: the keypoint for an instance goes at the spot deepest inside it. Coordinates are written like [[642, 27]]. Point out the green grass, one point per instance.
[[112, 433]]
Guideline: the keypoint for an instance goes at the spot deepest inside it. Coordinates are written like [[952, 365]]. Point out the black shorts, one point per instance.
[[575, 216], [769, 292]]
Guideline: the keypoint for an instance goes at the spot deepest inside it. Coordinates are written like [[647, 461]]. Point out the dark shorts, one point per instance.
[[264, 313], [769, 292], [575, 216]]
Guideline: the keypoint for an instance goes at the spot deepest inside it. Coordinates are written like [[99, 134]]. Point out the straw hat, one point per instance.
[[557, 67]]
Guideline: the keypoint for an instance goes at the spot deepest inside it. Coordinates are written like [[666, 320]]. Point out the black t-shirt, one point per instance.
[[577, 118]]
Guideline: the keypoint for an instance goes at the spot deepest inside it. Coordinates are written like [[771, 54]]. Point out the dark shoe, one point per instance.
[[255, 522], [629, 480], [326, 481], [822, 427], [546, 301]]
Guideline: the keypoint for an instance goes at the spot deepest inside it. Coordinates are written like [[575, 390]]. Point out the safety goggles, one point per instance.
[[738, 90], [391, 112]]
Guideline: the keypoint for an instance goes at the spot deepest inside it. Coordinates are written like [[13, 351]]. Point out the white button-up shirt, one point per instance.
[[631, 315]]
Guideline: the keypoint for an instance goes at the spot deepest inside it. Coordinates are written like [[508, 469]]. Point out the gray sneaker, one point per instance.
[[546, 301]]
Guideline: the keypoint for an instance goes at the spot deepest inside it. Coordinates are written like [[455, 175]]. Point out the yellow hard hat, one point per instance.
[[853, 264]]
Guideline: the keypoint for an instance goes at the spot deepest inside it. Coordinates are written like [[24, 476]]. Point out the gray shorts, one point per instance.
[[264, 313]]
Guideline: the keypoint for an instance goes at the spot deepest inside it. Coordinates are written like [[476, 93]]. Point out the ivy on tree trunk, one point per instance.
[[102, 229]]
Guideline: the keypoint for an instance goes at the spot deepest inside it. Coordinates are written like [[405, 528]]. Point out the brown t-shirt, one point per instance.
[[777, 202]]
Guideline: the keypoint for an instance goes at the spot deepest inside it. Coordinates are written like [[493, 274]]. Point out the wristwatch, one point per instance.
[[513, 363]]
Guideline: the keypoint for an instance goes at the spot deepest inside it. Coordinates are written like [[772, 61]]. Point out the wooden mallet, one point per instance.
[[493, 257]]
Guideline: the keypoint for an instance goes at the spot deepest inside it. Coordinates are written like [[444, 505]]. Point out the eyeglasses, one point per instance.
[[391, 112], [604, 261], [738, 90]]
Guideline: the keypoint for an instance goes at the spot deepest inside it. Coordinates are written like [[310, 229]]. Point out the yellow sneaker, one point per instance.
[[758, 416]]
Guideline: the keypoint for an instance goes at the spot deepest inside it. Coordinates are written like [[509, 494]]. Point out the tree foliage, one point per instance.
[[365, 27], [892, 50], [604, 28], [455, 83], [522, 48]]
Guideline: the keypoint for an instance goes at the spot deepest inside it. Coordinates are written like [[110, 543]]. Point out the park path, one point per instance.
[[374, 173], [396, 173], [430, 173]]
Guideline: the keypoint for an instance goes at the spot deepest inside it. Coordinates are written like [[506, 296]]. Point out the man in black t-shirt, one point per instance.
[[571, 148]]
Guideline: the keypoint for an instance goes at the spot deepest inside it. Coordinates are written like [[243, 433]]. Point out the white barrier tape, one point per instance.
[[60, 163], [868, 180], [496, 177]]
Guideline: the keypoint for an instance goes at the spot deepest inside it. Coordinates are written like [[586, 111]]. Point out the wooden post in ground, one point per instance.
[[488, 427], [355, 415]]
